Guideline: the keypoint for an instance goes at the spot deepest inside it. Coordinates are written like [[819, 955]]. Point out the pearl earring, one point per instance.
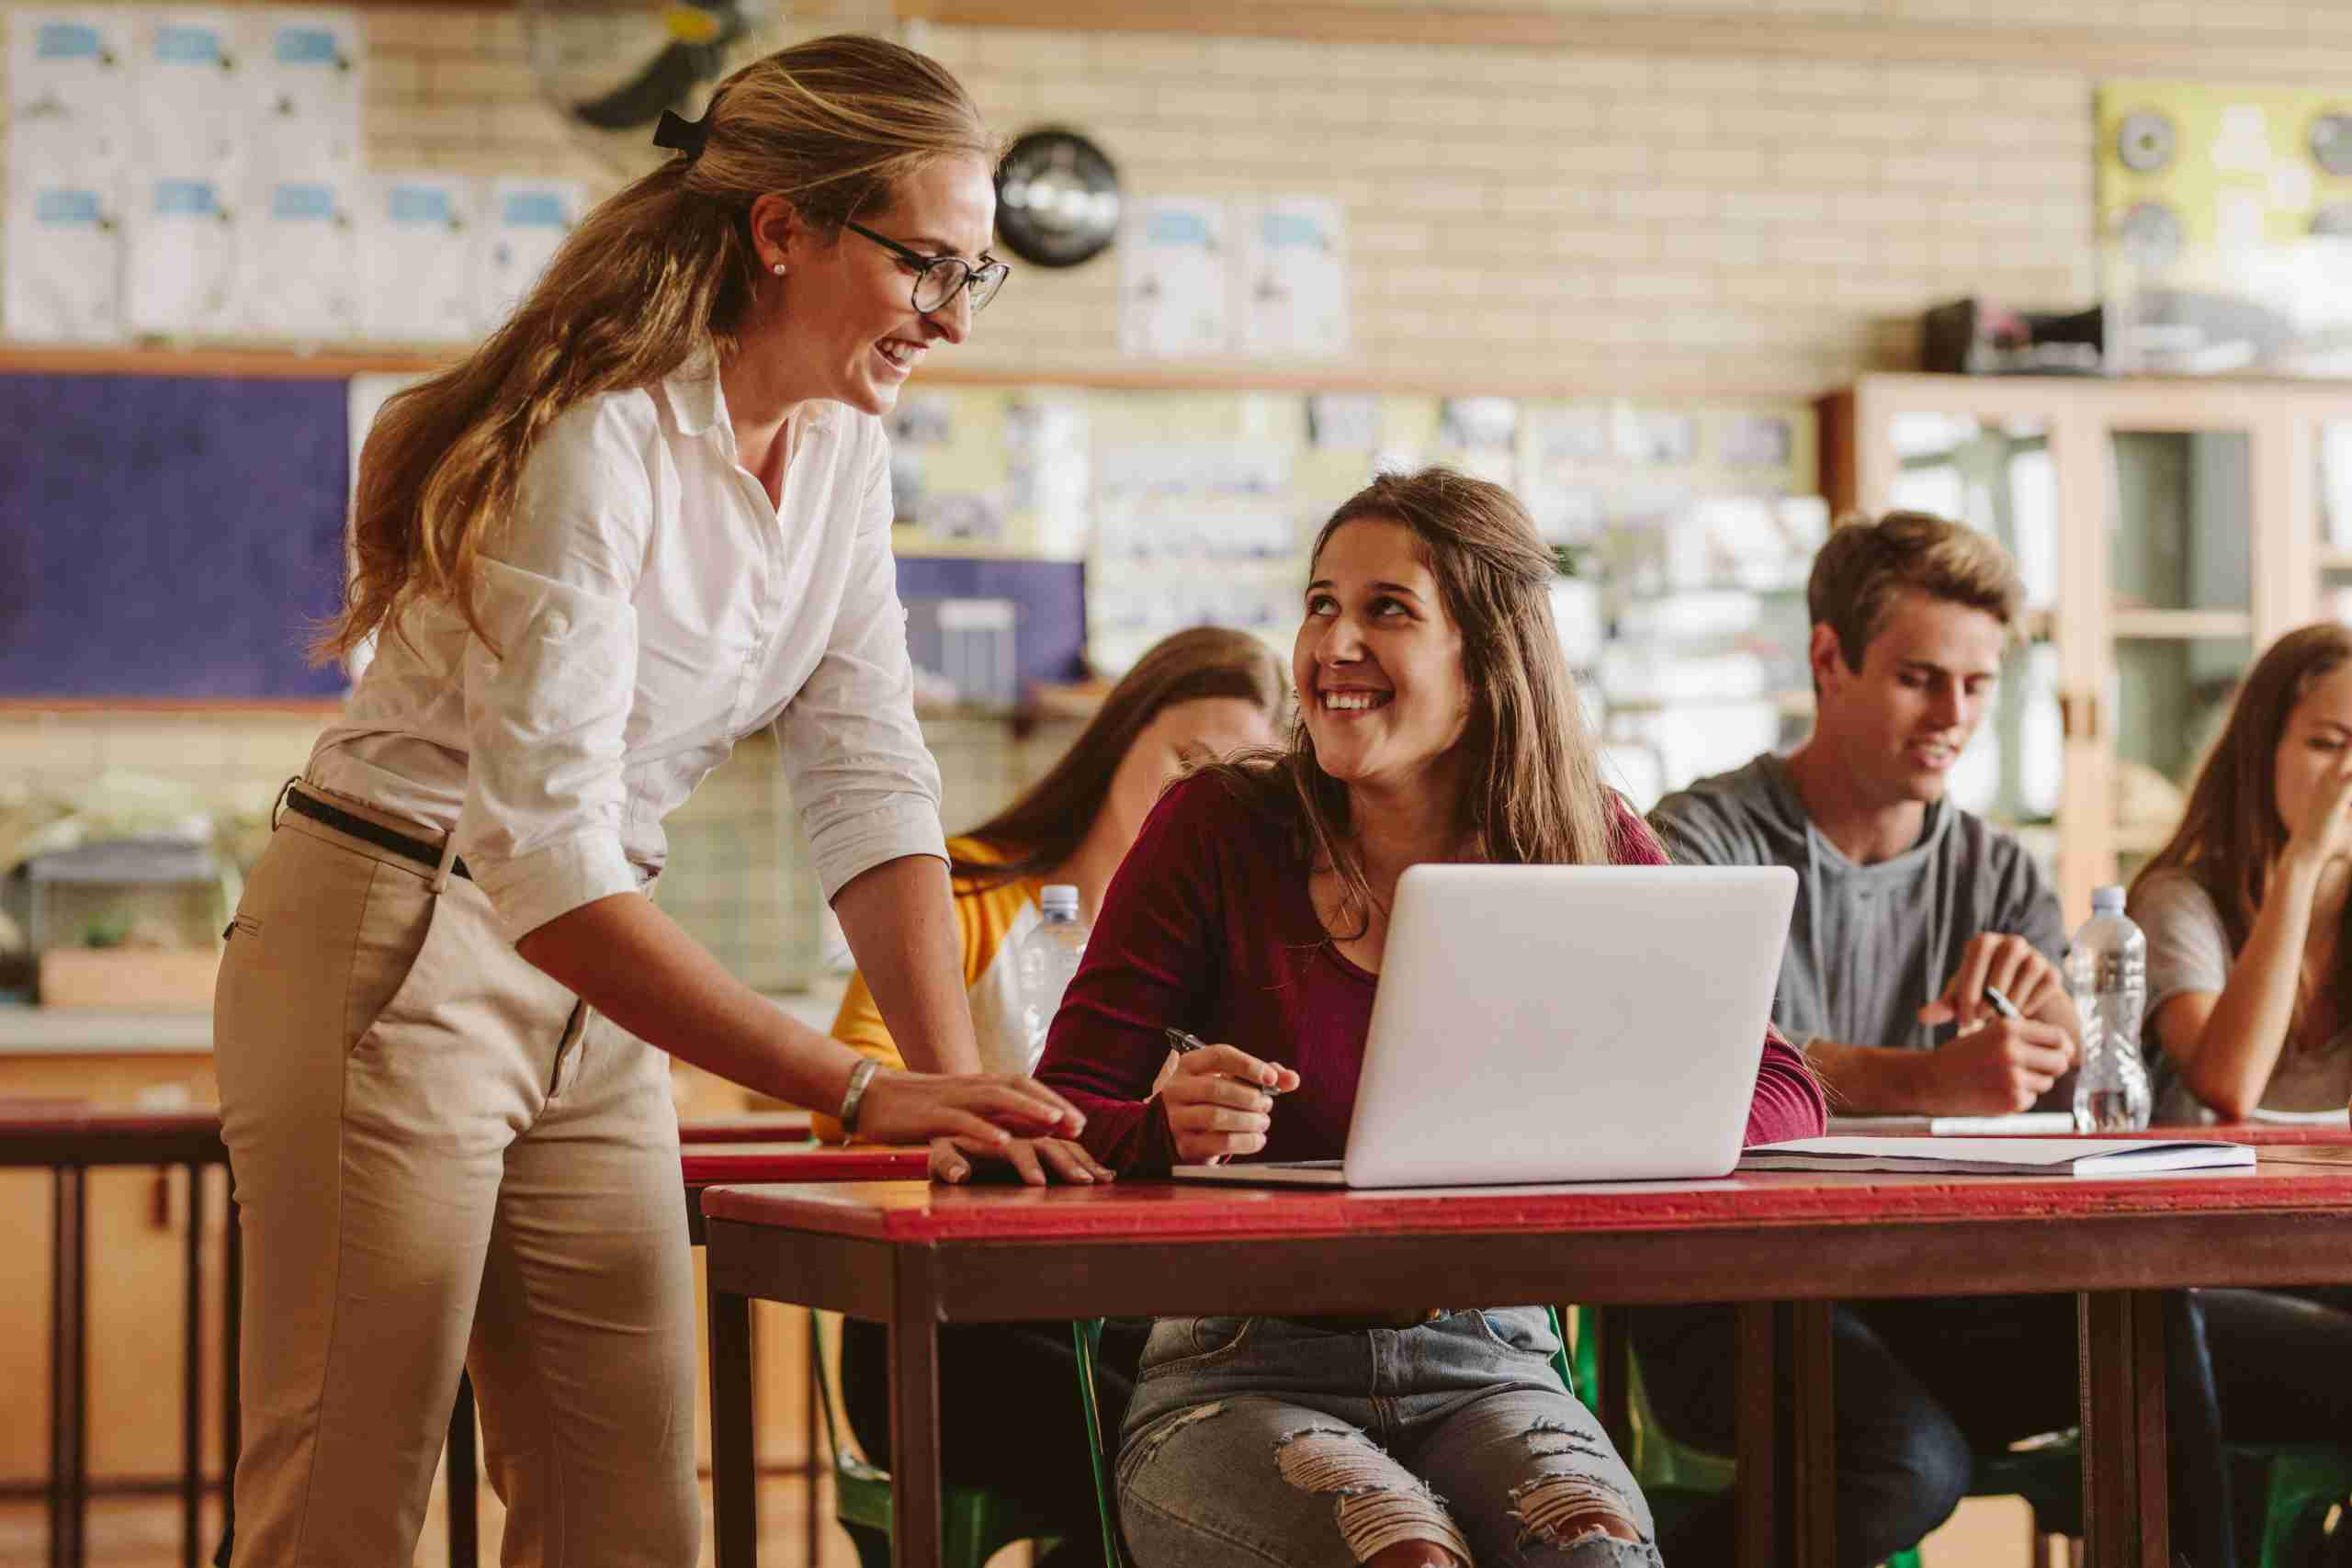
[[779, 269]]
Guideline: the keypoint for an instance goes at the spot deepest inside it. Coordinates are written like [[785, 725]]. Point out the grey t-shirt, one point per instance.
[[2188, 950], [1869, 945]]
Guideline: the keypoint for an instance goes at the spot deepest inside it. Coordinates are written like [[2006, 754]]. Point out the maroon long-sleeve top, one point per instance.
[[1208, 926]]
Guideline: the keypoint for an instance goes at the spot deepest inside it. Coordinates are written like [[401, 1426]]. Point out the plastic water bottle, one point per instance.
[[1049, 956], [2106, 975]]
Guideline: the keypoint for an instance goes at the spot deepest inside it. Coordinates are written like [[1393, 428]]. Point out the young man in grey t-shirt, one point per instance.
[[1908, 909]]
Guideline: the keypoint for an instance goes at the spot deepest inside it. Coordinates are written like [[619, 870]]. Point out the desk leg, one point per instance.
[[1787, 1479], [192, 1370], [812, 1463], [914, 1414], [2121, 1346], [232, 1350], [734, 1457], [68, 1365]]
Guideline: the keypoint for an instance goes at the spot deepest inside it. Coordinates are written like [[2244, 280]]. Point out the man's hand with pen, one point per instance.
[[1219, 1101]]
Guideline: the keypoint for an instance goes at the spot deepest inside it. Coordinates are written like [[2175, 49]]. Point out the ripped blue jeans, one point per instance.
[[1255, 1441]]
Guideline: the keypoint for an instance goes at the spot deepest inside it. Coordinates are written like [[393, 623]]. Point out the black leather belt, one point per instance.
[[383, 837]]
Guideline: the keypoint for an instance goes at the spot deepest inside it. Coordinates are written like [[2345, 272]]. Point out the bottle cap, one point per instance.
[[2107, 900], [1059, 898]]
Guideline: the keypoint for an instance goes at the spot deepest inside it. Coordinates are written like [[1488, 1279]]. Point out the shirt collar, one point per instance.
[[698, 403]]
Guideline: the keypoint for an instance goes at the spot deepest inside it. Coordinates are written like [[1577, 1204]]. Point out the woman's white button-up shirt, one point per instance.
[[651, 606]]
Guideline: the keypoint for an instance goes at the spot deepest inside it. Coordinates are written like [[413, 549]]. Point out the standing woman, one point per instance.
[[648, 515]]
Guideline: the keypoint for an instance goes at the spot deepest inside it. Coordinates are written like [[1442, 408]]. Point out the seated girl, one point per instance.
[[2249, 976], [2250, 998], [1195, 696], [1437, 723]]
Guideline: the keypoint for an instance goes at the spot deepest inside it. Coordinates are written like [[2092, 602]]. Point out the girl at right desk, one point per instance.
[[2250, 995]]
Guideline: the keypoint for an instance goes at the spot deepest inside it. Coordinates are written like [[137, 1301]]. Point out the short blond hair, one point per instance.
[[1866, 564]]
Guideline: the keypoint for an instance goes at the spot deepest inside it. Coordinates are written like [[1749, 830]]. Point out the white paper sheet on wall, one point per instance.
[[297, 260], [527, 222], [193, 102], [179, 266], [63, 264], [1295, 278], [419, 238], [69, 89], [1173, 279], [306, 74]]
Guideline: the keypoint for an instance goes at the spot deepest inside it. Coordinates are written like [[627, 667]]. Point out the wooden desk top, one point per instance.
[[53, 1132], [708, 1163], [921, 1212], [748, 1127]]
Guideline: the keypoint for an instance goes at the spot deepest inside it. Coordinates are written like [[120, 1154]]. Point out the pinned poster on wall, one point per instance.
[[419, 245], [179, 273], [305, 76], [1172, 283], [299, 259], [1294, 279], [528, 221]]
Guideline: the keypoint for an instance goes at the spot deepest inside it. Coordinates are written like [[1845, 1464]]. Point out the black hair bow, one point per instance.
[[681, 134]]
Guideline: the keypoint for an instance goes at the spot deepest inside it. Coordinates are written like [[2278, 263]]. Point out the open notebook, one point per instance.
[[1998, 1156]]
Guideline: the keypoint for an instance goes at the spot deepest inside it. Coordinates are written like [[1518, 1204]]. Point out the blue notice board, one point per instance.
[[169, 536]]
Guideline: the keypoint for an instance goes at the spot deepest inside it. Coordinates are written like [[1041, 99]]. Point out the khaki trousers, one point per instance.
[[443, 1158]]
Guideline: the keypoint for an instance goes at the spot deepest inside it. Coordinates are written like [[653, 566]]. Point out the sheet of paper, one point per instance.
[[179, 269], [1174, 266], [63, 270], [528, 220], [305, 76], [419, 237], [195, 106], [69, 88], [1294, 279], [298, 259]]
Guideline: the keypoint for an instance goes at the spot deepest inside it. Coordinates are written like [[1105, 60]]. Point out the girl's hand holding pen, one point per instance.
[[1219, 1101]]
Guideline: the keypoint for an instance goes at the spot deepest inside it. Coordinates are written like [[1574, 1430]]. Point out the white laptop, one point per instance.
[[1558, 1023]]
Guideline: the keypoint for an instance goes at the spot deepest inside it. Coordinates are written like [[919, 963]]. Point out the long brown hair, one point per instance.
[[1044, 828], [660, 272], [1537, 795], [2231, 834]]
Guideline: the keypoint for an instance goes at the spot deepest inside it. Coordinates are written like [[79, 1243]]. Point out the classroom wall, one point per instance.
[[1665, 217], [1656, 220]]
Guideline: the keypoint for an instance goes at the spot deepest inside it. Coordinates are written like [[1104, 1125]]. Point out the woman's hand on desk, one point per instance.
[[984, 1110], [1038, 1162], [1220, 1102]]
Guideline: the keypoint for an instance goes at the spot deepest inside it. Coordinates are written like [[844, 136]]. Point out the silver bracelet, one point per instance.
[[859, 1077]]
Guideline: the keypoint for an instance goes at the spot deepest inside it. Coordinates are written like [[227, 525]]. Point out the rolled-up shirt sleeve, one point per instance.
[[865, 783], [546, 713]]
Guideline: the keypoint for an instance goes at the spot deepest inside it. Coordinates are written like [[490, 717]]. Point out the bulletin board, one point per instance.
[[166, 536]]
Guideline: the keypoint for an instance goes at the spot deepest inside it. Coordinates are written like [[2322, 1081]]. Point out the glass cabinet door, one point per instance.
[[2180, 594], [2335, 518], [1997, 475]]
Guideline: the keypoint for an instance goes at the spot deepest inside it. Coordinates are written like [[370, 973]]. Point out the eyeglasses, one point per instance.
[[938, 279]]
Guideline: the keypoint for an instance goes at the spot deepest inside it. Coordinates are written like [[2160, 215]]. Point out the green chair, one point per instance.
[[1087, 1334], [2300, 1481], [977, 1523]]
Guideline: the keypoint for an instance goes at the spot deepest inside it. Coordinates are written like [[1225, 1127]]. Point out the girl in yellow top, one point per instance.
[[1196, 696]]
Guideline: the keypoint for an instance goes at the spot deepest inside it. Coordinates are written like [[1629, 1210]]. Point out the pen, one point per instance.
[[2001, 1004], [1182, 1041]]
